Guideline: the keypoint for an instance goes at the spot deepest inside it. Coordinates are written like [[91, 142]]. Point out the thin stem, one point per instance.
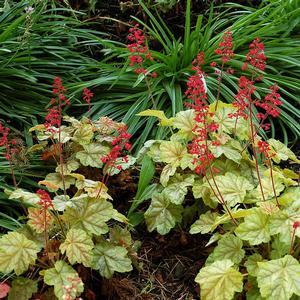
[[219, 85], [273, 183], [293, 241]]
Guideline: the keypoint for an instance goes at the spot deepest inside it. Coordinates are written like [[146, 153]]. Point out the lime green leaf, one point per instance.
[[200, 190], [61, 277], [279, 249], [232, 187], [251, 263], [252, 289], [90, 215], [39, 219], [16, 253], [61, 202], [229, 247], [267, 185], [229, 125], [24, 196], [204, 223], [279, 278], [119, 162], [290, 196], [84, 134], [219, 281], [281, 152], [184, 121], [167, 171], [77, 246], [91, 155], [255, 228], [228, 151], [176, 191], [164, 121], [54, 182], [172, 152], [162, 214], [108, 258], [22, 289], [282, 223], [68, 167]]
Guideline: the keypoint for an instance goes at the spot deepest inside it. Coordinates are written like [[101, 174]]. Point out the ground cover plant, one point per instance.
[[217, 193]]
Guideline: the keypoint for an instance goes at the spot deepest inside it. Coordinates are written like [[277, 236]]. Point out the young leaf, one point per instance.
[[22, 289], [53, 181], [167, 171], [90, 215], [255, 228], [162, 214], [171, 152], [78, 246], [108, 258], [279, 249], [163, 120], [84, 134], [251, 263], [91, 155], [184, 121], [24, 196], [279, 278], [16, 253], [61, 277], [204, 223], [233, 187], [229, 247], [219, 281]]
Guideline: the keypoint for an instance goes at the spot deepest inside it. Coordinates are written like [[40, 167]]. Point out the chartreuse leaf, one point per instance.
[[16, 253], [251, 264], [162, 214], [252, 289], [90, 215], [281, 151], [177, 190], [78, 246], [219, 281], [233, 187], [267, 185], [279, 249], [282, 223], [201, 190], [54, 182], [61, 277], [255, 228], [204, 223], [68, 167], [166, 172], [163, 120], [24, 196], [84, 134], [171, 152], [91, 155], [184, 121], [229, 247], [108, 258], [22, 289], [279, 278]]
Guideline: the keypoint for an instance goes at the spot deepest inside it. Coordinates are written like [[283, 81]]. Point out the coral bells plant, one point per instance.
[[217, 170], [71, 223]]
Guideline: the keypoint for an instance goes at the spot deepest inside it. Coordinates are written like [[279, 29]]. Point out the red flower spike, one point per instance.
[[87, 95], [296, 224], [256, 56], [45, 199], [225, 47]]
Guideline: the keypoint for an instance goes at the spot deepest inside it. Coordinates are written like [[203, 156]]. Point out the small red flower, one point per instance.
[[87, 95], [45, 199], [225, 47], [256, 56], [296, 224]]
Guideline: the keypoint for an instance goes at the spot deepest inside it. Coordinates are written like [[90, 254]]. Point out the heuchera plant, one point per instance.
[[67, 218], [217, 166]]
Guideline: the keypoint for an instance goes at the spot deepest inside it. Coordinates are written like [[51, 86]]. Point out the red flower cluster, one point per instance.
[[54, 117], [87, 95], [256, 56], [296, 224], [270, 105], [225, 47], [45, 199], [119, 143], [9, 144], [139, 50], [243, 98], [197, 94]]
